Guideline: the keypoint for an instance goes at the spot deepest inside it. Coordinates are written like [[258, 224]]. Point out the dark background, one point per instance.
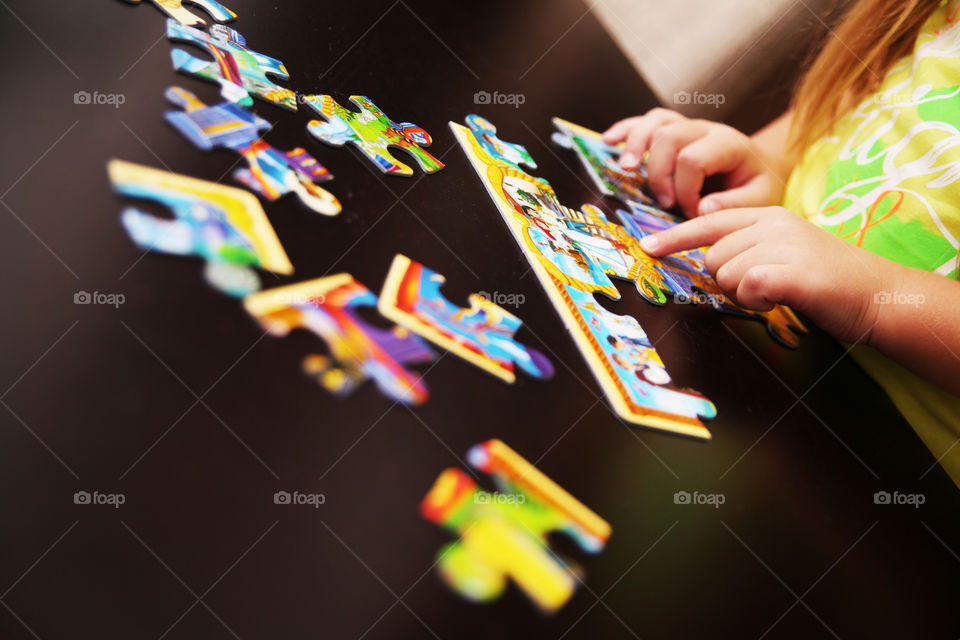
[[178, 401]]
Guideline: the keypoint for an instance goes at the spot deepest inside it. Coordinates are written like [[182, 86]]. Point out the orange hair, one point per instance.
[[870, 38]]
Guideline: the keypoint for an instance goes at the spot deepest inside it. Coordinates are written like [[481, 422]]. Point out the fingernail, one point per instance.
[[666, 199], [649, 243], [709, 206], [628, 160]]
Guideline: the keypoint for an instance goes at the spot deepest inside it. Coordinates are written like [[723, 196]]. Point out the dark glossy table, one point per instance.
[[177, 400]]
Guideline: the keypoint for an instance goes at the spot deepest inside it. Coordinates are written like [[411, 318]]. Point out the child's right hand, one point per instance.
[[683, 152]]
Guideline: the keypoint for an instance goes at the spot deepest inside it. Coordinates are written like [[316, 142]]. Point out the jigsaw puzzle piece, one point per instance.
[[503, 535], [240, 72], [486, 135], [372, 132], [225, 226], [270, 172], [328, 307], [482, 334], [601, 162], [175, 10]]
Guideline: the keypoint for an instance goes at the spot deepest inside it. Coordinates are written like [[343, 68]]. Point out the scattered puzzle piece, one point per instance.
[[174, 9], [502, 535], [372, 132], [482, 335], [271, 173], [223, 225], [574, 254], [238, 70], [683, 275], [328, 307]]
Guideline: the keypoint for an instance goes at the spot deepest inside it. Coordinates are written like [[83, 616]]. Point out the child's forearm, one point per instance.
[[918, 324], [773, 142]]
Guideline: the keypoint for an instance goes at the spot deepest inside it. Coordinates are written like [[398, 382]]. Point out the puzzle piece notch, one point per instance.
[[482, 334], [240, 72], [225, 226], [175, 9], [270, 172], [485, 133], [372, 132], [328, 308], [502, 536]]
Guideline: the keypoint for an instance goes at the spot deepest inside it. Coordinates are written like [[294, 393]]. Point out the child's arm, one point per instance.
[[683, 152], [766, 256]]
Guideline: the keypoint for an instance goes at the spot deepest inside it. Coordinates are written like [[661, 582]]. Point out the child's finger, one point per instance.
[[638, 140], [730, 274], [755, 193], [699, 232], [667, 141], [765, 285], [701, 158], [730, 246], [618, 131]]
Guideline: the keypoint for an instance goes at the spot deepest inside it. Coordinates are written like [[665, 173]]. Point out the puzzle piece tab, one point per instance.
[[372, 132], [360, 351], [225, 226], [502, 535], [175, 9], [271, 173], [482, 335], [486, 135], [238, 70]]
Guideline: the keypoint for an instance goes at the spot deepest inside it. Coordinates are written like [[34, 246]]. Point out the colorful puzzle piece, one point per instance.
[[174, 9], [223, 225], [328, 307], [271, 173], [238, 70], [502, 535], [372, 132], [574, 254], [683, 275], [601, 162], [482, 335], [508, 152]]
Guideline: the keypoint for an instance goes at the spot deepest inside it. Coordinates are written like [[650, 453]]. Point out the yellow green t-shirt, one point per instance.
[[887, 179]]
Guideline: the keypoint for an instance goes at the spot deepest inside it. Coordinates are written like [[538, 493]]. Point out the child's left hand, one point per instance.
[[769, 255]]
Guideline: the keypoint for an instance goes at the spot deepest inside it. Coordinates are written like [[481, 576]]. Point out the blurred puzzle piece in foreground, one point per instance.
[[175, 10], [328, 307], [270, 172], [503, 535], [225, 226]]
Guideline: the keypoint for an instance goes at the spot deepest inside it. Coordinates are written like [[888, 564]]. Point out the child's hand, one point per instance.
[[683, 152], [766, 256]]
